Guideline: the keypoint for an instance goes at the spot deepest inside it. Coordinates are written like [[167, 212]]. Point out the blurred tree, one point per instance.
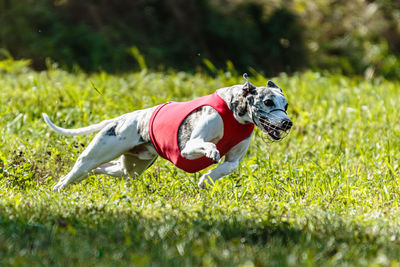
[[175, 33], [353, 37]]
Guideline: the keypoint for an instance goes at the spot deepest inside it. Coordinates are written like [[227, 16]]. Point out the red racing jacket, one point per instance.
[[166, 119]]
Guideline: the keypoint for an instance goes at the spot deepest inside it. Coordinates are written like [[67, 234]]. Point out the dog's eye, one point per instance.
[[286, 106], [269, 103]]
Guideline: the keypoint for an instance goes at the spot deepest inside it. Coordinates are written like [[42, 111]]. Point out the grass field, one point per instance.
[[326, 195]]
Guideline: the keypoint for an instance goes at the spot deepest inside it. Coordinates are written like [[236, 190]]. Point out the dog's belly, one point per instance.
[[143, 151]]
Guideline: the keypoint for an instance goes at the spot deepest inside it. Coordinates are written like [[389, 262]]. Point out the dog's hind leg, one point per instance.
[[105, 146], [127, 165], [113, 168]]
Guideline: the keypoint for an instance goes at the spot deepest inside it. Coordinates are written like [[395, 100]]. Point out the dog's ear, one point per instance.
[[273, 85], [248, 88]]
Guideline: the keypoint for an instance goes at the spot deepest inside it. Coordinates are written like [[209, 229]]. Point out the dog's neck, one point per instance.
[[233, 97]]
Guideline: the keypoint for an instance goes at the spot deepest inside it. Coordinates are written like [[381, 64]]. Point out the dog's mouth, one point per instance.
[[274, 134], [271, 128]]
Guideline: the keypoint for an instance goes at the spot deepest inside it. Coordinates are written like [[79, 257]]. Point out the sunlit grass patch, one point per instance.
[[326, 195]]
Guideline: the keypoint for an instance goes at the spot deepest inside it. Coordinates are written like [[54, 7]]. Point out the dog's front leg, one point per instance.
[[232, 160], [196, 148], [213, 175], [208, 129]]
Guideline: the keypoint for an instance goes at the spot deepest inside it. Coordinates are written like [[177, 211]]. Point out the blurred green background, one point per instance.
[[357, 37]]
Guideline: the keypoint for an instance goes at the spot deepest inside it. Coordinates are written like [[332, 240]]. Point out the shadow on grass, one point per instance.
[[184, 240]]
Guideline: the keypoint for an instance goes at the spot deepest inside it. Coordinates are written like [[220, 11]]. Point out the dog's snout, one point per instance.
[[287, 124]]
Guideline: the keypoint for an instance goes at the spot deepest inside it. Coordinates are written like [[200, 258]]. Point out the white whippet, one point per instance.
[[127, 139]]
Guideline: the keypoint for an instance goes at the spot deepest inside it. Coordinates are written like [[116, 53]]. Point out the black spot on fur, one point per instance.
[[241, 106], [242, 109], [111, 131], [250, 99]]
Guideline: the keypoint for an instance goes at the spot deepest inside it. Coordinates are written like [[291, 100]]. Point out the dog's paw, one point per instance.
[[57, 188], [205, 182], [213, 154]]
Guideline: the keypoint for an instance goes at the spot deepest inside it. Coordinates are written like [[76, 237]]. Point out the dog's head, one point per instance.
[[266, 106]]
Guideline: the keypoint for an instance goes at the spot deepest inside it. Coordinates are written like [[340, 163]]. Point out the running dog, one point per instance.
[[192, 135]]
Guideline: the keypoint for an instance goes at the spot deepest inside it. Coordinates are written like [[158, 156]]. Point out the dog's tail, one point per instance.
[[80, 131]]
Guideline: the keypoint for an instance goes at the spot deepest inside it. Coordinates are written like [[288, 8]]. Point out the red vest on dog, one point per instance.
[[166, 119]]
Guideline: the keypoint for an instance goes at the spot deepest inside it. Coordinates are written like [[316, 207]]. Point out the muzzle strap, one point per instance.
[[277, 109]]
